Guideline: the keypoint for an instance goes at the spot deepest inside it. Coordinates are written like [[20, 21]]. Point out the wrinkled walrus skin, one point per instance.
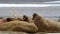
[[45, 25], [18, 26]]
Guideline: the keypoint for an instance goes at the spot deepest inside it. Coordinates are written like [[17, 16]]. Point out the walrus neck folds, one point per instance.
[[39, 21]]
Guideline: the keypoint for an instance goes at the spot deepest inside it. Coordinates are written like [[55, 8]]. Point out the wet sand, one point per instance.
[[11, 32]]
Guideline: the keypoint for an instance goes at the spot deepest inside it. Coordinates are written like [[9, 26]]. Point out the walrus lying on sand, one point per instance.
[[45, 25], [17, 25]]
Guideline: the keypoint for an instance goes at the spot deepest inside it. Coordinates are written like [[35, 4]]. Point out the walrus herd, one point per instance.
[[35, 24]]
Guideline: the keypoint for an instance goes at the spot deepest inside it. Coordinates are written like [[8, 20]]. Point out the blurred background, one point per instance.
[[52, 12], [29, 1]]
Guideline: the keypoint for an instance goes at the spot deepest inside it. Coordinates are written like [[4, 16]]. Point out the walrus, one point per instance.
[[27, 19], [18, 26], [45, 25]]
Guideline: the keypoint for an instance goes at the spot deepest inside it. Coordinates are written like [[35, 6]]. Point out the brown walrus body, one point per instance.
[[18, 26], [45, 25]]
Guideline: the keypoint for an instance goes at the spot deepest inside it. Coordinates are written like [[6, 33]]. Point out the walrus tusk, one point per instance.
[[14, 15]]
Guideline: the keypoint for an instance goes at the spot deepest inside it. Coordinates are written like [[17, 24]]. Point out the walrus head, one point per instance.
[[36, 16], [25, 18], [39, 21], [9, 19]]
